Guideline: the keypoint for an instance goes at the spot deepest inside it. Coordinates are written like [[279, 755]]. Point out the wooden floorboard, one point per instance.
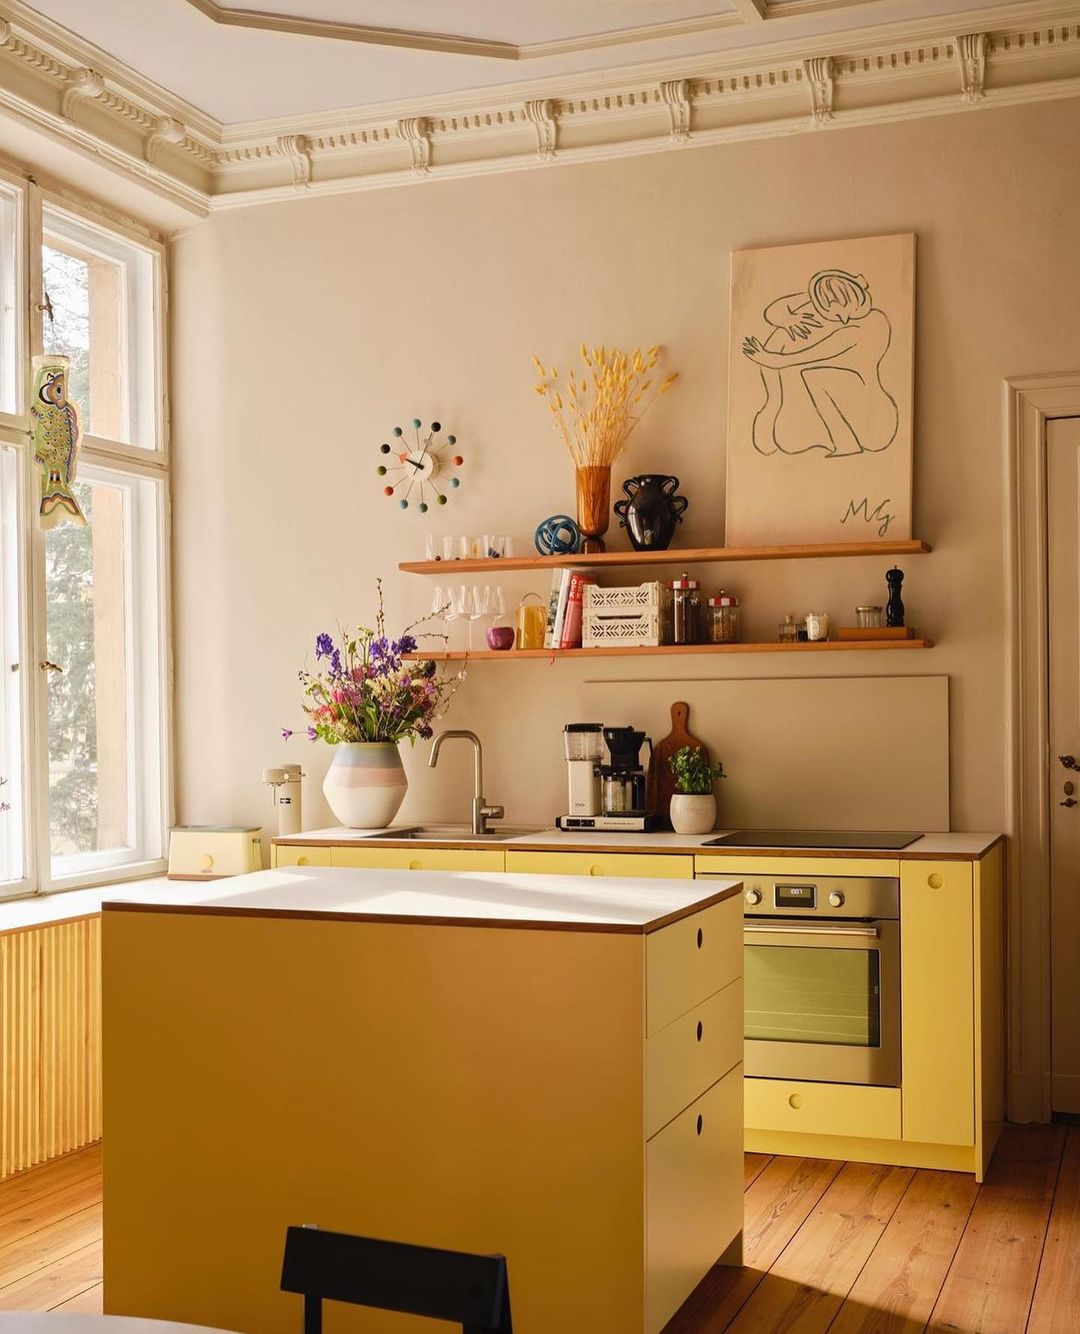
[[900, 1282], [991, 1281], [807, 1284], [777, 1202], [842, 1248], [1056, 1307]]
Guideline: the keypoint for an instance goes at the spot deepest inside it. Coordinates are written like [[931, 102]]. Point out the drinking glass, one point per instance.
[[433, 547], [458, 597]]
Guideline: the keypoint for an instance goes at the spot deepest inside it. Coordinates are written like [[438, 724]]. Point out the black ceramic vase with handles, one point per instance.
[[651, 510]]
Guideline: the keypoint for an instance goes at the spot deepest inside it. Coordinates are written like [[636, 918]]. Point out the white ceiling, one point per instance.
[[241, 74]]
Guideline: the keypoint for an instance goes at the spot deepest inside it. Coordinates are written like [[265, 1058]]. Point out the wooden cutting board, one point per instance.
[[661, 779]]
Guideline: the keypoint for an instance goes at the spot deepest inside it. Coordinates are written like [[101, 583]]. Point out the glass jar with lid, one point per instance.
[[722, 619], [869, 618], [685, 609]]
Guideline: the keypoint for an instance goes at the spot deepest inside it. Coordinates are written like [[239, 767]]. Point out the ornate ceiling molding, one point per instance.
[[414, 39], [74, 94]]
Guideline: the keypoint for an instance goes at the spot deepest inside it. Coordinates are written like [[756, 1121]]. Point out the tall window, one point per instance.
[[83, 693]]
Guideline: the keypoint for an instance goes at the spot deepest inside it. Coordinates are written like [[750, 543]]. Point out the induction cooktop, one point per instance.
[[814, 838]]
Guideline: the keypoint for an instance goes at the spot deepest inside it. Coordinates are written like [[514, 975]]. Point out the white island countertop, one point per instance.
[[450, 898]]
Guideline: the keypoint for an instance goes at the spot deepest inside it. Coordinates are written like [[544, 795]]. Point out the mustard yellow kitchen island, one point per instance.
[[538, 1066]]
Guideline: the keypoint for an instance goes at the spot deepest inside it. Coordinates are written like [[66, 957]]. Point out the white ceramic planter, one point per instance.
[[365, 784], [693, 815]]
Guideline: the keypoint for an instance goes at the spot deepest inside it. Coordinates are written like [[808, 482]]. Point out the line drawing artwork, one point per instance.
[[820, 366]]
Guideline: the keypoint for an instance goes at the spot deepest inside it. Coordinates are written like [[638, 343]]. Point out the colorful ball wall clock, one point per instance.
[[418, 471]]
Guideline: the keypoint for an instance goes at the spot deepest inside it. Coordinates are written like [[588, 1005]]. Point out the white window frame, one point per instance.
[[149, 604]]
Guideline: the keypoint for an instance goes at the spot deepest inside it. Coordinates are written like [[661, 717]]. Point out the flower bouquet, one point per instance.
[[364, 697]]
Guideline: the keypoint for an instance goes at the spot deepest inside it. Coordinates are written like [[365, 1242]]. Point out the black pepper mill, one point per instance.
[[894, 612]]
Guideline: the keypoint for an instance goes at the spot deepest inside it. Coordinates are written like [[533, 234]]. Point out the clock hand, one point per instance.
[[417, 466]]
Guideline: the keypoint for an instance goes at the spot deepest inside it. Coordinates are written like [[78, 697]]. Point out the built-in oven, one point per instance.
[[822, 977]]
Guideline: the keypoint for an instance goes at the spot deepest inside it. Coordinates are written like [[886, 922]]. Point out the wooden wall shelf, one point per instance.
[[672, 650], [682, 556]]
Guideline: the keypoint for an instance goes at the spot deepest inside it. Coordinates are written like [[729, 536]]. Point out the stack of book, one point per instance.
[[564, 608]]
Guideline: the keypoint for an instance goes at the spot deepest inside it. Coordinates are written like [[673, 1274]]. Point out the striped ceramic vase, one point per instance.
[[365, 784]]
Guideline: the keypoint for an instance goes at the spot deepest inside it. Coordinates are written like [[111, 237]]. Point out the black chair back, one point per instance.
[[470, 1290]]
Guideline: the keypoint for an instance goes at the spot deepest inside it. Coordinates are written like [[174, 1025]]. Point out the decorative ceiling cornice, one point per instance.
[[414, 39], [73, 93]]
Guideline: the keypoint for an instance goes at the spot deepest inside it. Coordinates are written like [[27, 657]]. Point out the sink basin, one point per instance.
[[453, 832]]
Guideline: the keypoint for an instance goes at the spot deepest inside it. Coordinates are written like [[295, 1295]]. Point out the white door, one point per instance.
[[1063, 570]]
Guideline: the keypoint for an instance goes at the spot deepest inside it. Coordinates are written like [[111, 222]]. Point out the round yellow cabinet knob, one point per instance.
[[795, 1101], [206, 862], [935, 881], [303, 861], [596, 870], [416, 866]]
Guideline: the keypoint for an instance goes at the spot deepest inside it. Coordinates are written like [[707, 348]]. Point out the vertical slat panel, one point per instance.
[[50, 1042]]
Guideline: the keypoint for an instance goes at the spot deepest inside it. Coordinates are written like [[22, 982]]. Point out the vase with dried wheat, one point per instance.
[[599, 413]]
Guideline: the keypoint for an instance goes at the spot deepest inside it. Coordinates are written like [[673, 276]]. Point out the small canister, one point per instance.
[[722, 619], [869, 618], [531, 620], [685, 609]]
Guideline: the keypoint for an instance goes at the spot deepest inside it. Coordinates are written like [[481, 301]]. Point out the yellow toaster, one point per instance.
[[213, 851]]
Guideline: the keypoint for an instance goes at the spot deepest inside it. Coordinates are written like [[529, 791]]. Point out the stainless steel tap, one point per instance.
[[481, 812]]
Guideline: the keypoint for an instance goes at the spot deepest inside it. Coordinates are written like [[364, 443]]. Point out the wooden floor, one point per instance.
[[844, 1247]]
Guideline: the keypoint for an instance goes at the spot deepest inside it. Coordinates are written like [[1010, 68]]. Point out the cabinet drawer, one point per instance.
[[618, 864], [294, 855], [693, 1197], [823, 1109], [420, 859], [690, 960], [691, 1054]]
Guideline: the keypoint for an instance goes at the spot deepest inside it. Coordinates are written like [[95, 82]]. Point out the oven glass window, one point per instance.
[[822, 995]]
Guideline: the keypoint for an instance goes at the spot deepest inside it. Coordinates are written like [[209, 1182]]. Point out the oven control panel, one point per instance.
[[818, 896]]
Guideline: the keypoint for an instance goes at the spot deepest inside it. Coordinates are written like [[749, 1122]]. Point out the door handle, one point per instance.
[[1069, 801]]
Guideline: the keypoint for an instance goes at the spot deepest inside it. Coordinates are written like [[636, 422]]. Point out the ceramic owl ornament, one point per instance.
[[56, 441]]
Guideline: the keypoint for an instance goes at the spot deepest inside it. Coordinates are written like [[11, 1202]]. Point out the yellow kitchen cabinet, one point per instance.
[[937, 1002], [481, 1090], [290, 854], [619, 864], [823, 1109], [420, 858], [693, 1201]]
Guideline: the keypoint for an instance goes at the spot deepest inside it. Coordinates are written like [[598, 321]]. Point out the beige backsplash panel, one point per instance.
[[838, 753]]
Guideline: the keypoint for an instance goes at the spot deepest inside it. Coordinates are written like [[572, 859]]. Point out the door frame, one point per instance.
[[1029, 403]]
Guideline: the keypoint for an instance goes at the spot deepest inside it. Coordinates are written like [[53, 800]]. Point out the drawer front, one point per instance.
[[623, 865], [293, 855], [693, 1197], [420, 859], [823, 1109], [735, 865], [690, 960], [691, 1054]]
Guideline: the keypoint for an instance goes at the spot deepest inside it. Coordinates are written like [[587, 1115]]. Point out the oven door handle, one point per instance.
[[789, 929]]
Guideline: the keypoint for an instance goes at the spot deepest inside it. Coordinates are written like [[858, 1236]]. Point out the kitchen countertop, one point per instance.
[[932, 847], [450, 898]]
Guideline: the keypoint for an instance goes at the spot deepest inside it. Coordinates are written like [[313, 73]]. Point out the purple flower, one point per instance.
[[324, 646], [384, 656], [406, 644], [425, 732], [286, 732], [312, 734]]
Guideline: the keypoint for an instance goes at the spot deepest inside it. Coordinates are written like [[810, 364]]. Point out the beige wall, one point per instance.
[[304, 331]]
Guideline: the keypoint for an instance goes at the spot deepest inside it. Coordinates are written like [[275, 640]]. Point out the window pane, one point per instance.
[[10, 353], [99, 311], [11, 732], [104, 704]]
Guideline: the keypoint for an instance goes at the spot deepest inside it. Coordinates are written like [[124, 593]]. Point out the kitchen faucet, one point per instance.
[[480, 812]]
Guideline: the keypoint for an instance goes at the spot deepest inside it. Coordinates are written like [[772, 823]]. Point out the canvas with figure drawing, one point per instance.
[[820, 392]]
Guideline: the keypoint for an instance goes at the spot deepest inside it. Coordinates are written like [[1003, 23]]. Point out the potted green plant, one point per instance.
[[693, 804]]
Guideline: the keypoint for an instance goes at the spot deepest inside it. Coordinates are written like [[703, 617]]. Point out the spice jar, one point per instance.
[[722, 619], [685, 609], [869, 618], [788, 632]]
